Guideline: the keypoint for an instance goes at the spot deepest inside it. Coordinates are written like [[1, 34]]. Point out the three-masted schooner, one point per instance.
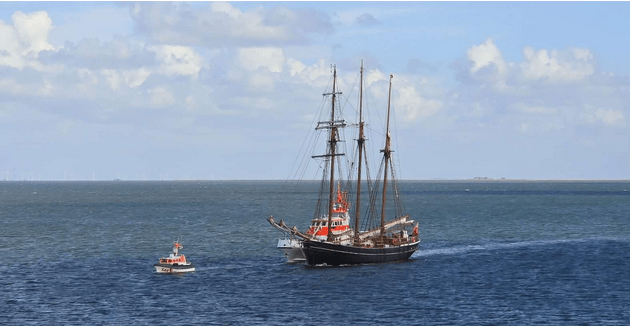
[[330, 239]]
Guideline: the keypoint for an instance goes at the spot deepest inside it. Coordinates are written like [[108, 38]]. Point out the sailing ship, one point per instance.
[[330, 240]]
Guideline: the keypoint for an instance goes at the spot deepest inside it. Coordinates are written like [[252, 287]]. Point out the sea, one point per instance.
[[492, 253]]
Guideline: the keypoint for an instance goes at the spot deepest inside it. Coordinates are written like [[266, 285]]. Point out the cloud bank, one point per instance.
[[217, 77]]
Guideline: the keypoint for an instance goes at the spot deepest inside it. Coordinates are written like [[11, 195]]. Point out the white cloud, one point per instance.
[[33, 29], [611, 117], [222, 24], [21, 42], [295, 66], [485, 55], [267, 57], [115, 78], [536, 109], [112, 77], [261, 81], [548, 91], [135, 78], [178, 60], [373, 76], [558, 66], [226, 8], [412, 106], [315, 75], [554, 66], [161, 97]]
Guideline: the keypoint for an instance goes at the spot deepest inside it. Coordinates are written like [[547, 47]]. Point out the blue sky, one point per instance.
[[201, 90]]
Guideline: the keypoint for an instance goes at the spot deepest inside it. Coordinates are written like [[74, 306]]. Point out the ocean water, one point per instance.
[[492, 253]]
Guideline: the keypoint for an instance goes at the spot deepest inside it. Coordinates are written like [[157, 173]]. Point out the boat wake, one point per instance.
[[460, 250]]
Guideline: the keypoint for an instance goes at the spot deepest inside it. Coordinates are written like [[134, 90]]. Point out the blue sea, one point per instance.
[[492, 253]]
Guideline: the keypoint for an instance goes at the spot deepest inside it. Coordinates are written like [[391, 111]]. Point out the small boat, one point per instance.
[[174, 263]]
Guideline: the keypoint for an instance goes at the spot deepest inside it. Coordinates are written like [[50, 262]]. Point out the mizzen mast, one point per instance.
[[386, 154], [361, 143]]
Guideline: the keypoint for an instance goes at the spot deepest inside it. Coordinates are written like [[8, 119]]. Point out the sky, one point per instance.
[[230, 90]]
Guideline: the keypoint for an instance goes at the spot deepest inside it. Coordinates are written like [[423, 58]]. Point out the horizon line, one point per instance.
[[286, 180]]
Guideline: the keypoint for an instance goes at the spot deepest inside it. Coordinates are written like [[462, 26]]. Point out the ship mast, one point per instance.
[[334, 126], [360, 142], [386, 153], [333, 143]]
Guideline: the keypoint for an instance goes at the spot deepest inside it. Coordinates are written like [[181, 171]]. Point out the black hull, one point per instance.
[[334, 254]]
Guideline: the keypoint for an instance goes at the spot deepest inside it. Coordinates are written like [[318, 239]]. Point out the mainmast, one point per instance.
[[386, 153], [360, 142]]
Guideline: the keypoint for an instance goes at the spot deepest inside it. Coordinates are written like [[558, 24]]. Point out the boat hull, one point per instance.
[[171, 269], [318, 253]]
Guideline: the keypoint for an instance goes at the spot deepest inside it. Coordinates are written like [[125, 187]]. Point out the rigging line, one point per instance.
[[398, 189], [393, 162], [395, 195], [382, 123], [302, 147], [311, 134], [347, 98], [306, 159], [372, 209], [396, 130], [304, 164], [306, 169], [370, 188], [322, 191], [315, 135], [375, 131]]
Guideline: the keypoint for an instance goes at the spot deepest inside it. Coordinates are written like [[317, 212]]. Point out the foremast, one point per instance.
[[333, 126]]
